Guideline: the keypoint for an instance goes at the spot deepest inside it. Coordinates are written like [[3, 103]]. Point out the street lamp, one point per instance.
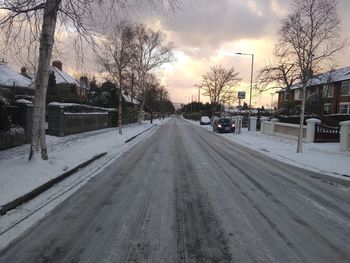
[[251, 85]]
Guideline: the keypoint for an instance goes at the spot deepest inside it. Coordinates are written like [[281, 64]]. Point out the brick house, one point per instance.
[[333, 86], [62, 77], [82, 85]]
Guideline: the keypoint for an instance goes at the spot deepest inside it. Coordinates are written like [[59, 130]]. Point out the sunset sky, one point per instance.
[[208, 32]]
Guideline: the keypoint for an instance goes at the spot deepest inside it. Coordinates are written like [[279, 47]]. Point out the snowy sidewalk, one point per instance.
[[18, 176], [325, 158]]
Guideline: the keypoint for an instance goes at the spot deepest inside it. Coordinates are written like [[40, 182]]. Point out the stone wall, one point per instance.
[[61, 123], [285, 130], [12, 138], [81, 122]]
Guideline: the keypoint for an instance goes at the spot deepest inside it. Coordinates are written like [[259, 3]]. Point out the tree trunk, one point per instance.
[[301, 124], [120, 108], [141, 116], [38, 139]]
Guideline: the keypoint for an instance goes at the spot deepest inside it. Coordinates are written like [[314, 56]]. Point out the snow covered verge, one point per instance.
[[19, 176], [324, 158]]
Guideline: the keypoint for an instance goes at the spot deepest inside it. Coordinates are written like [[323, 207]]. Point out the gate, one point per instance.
[[324, 133]]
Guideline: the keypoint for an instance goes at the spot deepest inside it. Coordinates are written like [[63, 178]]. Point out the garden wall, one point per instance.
[[62, 123]]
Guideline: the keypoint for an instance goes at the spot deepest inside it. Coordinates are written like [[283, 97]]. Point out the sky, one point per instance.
[[206, 33]]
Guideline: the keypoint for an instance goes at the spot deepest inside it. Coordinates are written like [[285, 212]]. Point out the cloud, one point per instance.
[[208, 24]]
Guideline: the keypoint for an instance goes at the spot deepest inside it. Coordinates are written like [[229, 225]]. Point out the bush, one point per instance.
[[334, 119], [64, 93], [295, 119], [4, 118], [129, 115], [6, 96]]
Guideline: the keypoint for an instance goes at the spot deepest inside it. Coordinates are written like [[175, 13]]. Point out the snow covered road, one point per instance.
[[188, 195]]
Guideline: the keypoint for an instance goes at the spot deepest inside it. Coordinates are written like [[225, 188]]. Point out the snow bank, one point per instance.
[[19, 176], [319, 157]]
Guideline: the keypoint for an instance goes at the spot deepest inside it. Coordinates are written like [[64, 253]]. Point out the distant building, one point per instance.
[[333, 86], [130, 100]]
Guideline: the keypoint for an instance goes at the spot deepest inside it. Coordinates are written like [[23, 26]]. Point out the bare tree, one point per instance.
[[151, 52], [217, 83], [116, 58], [155, 94], [42, 18], [281, 73], [311, 36]]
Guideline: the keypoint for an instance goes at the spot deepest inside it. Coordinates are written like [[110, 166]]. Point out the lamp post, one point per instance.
[[199, 94], [251, 85]]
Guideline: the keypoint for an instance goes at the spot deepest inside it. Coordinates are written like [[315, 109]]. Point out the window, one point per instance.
[[309, 93], [297, 94], [345, 88], [344, 108], [327, 108], [328, 91]]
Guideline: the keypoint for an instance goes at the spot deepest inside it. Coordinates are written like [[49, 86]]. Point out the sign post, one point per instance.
[[241, 96]]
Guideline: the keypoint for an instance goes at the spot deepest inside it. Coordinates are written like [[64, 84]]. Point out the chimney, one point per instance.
[[57, 64], [25, 74]]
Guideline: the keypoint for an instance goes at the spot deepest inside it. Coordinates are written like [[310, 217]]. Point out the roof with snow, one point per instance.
[[128, 99], [10, 78], [332, 76], [63, 77]]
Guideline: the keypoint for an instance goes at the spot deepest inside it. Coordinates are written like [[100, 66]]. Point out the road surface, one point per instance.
[[188, 195]]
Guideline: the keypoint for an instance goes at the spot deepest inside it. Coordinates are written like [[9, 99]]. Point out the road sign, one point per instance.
[[241, 95]]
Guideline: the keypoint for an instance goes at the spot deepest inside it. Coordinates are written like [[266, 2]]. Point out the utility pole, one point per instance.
[[191, 104], [199, 95]]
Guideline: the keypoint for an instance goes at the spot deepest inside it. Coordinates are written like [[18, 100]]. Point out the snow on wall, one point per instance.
[[279, 129], [67, 105]]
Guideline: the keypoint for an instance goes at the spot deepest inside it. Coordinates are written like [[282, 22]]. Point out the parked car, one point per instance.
[[205, 120], [223, 124]]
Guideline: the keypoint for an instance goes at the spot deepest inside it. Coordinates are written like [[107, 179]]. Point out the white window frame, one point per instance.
[[308, 94], [330, 91], [347, 83], [328, 106], [299, 96], [343, 104]]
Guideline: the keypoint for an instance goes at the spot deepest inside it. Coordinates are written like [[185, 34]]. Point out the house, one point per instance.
[[19, 84], [22, 83], [332, 86], [130, 100], [83, 87]]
